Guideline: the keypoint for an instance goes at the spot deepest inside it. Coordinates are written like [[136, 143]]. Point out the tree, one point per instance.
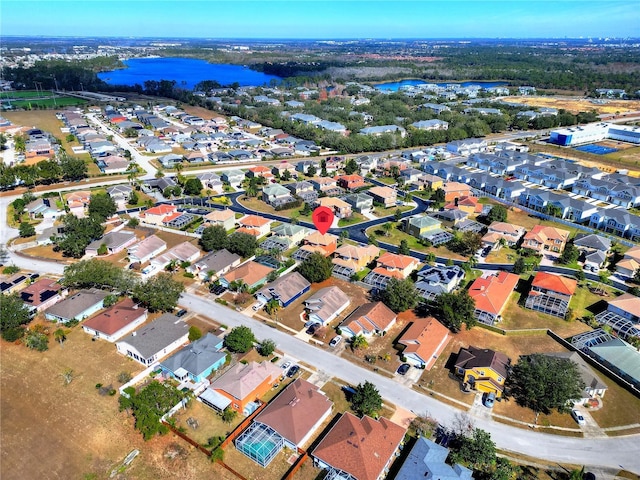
[[240, 340], [543, 383], [403, 249], [159, 293], [267, 347], [214, 238], [37, 341], [366, 400], [193, 186], [455, 308], [78, 233], [149, 405], [49, 171], [519, 266], [229, 415], [351, 167], [13, 315], [73, 168], [95, 273], [102, 206], [438, 197], [133, 198], [27, 230], [243, 244], [194, 333], [387, 228], [477, 450], [311, 171], [359, 342], [286, 175], [467, 245], [397, 216], [569, 255], [60, 335], [498, 213], [316, 268], [400, 295]]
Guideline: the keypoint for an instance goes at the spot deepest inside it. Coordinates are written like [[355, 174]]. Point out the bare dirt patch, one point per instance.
[[577, 104]]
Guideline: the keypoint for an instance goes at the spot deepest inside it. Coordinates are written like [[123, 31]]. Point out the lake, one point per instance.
[[395, 86], [187, 72]]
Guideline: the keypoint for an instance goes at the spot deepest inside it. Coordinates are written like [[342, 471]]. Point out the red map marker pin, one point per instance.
[[322, 218]]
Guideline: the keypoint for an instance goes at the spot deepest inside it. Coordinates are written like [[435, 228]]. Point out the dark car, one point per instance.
[[181, 313], [218, 289], [312, 328], [292, 371], [403, 369]]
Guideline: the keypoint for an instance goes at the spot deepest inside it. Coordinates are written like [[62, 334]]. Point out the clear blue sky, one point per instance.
[[322, 19]]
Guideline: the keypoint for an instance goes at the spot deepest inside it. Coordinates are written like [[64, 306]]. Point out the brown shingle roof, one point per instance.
[[474, 357], [296, 410], [116, 317], [360, 447], [371, 316], [250, 273], [240, 380]]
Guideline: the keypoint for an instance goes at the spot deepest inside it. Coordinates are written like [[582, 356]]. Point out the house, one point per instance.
[[384, 195], [327, 185], [467, 147], [551, 293], [324, 244], [181, 253], [156, 215], [254, 225], [491, 294], [326, 304], [14, 282], [211, 181], [382, 130], [304, 190], [77, 306], [467, 204], [292, 234], [360, 202], [341, 209], [196, 361], [451, 217], [282, 167], [434, 124], [427, 460], [289, 420], [77, 201], [42, 208], [233, 177], [432, 182], [589, 243], [455, 190], [424, 341], [146, 249], [42, 294], [154, 340], [252, 274], [170, 160], [226, 218], [618, 222], [241, 387], [502, 232], [350, 182], [482, 369], [114, 241], [358, 448], [420, 226], [276, 195], [116, 321], [623, 316], [434, 280], [350, 259], [284, 289], [391, 265], [120, 193], [628, 266], [214, 264], [544, 239], [369, 319], [594, 386]]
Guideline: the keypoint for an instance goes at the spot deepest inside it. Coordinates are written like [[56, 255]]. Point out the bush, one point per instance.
[[194, 333], [124, 377], [240, 339], [98, 385], [11, 269]]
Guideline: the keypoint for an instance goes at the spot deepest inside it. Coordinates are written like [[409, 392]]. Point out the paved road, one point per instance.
[[613, 452]]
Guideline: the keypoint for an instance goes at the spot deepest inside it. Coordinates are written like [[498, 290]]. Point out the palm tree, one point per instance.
[[387, 227], [272, 306], [60, 335]]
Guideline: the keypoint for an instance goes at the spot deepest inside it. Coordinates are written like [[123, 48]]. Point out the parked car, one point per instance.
[[335, 341], [577, 416], [181, 313], [256, 307], [286, 365], [218, 289], [403, 369], [312, 328], [292, 371], [489, 399]]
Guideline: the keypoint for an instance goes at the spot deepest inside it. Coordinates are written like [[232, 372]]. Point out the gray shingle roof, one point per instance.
[[153, 337], [196, 357], [77, 303]]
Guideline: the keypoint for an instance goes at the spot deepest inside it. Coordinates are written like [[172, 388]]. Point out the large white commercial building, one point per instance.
[[595, 132]]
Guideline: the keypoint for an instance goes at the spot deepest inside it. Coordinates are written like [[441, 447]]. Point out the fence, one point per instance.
[[187, 439], [238, 430], [296, 466]]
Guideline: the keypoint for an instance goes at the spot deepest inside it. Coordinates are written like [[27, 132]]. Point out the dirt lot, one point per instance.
[[576, 104], [82, 433]]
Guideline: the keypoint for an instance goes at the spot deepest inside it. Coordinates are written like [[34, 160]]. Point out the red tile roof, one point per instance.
[[253, 221], [161, 210], [555, 283], [491, 293], [115, 318], [360, 447], [424, 338], [393, 260]]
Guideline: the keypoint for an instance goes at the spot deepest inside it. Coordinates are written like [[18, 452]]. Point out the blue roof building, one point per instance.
[[427, 460]]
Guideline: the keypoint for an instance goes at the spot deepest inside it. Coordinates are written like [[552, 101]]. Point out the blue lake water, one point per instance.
[[395, 86], [187, 72]]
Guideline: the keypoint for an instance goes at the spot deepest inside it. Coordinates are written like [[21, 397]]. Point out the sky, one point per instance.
[[322, 19]]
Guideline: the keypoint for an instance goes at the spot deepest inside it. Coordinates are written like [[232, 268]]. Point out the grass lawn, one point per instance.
[[48, 102], [46, 251], [396, 236], [210, 422], [173, 239], [333, 390], [354, 218], [619, 406], [585, 302], [509, 408], [387, 180], [503, 255], [251, 470], [519, 217]]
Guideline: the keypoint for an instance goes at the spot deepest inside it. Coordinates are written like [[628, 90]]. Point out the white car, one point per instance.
[[577, 416], [286, 365]]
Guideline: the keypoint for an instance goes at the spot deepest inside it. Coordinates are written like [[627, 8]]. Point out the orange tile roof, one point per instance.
[[384, 192], [317, 238], [161, 210], [350, 178], [249, 231], [220, 215], [250, 273], [542, 233], [253, 221], [555, 283], [360, 447], [333, 202], [388, 273], [393, 260], [171, 216], [424, 337], [491, 293], [260, 169], [455, 187], [372, 316]]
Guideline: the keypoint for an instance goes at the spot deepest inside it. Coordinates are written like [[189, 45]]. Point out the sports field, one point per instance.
[[32, 99]]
